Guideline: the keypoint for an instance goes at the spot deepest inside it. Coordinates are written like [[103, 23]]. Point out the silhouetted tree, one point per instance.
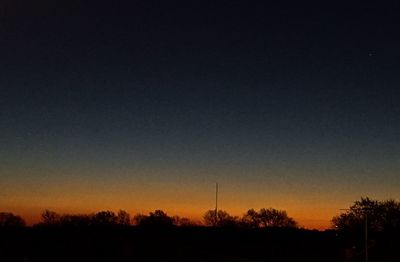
[[251, 219], [222, 218], [10, 220], [50, 218], [382, 227], [156, 218], [275, 218], [139, 219], [382, 215], [267, 218], [390, 215], [104, 218], [123, 218]]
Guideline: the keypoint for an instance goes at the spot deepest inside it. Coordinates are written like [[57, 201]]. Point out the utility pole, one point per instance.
[[216, 203], [366, 230]]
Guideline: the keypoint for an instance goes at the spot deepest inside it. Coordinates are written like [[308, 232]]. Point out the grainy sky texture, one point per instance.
[[146, 105]]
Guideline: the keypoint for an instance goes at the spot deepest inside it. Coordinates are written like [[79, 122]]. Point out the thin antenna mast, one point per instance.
[[216, 203]]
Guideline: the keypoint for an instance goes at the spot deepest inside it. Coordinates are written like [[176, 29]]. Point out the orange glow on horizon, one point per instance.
[[312, 207], [34, 216]]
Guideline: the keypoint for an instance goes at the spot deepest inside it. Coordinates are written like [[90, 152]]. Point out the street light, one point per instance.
[[365, 209]]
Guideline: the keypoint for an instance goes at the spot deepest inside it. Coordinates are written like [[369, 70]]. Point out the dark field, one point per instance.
[[188, 244]]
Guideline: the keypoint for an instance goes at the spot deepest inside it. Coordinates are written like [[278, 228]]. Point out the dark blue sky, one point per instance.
[[241, 90]]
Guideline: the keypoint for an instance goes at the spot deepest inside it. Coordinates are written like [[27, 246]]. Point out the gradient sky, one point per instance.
[[146, 105]]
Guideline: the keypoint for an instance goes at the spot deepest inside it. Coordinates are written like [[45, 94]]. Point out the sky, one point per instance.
[[146, 105]]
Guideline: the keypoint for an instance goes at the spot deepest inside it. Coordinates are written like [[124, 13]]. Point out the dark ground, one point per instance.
[[183, 244]]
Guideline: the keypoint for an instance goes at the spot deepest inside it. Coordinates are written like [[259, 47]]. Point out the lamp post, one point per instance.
[[365, 229]]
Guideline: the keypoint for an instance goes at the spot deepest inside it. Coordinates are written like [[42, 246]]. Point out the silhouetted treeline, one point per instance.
[[109, 218], [102, 218], [251, 219], [160, 218], [264, 235]]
